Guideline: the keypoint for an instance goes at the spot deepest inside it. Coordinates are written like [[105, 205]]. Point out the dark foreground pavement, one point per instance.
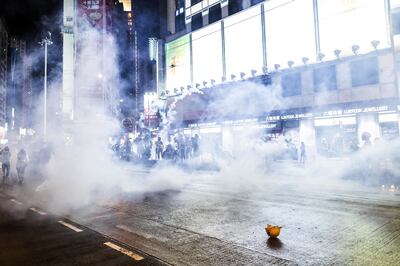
[[211, 221], [30, 236]]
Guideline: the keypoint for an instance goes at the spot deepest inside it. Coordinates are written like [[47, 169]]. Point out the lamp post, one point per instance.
[[46, 42]]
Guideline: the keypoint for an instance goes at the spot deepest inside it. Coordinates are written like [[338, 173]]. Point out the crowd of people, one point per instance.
[[143, 147], [21, 164], [39, 157]]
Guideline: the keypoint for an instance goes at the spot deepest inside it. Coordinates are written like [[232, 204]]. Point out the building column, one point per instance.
[[307, 135], [171, 8], [227, 139], [246, 4], [224, 8], [368, 123], [205, 18]]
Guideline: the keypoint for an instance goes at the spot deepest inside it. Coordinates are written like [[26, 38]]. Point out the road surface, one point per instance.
[[30, 236], [208, 222]]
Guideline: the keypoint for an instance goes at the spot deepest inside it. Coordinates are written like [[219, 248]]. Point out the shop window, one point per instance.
[[215, 13], [180, 22], [396, 22], [364, 72], [291, 84], [324, 78], [193, 2], [254, 2], [234, 6], [197, 21]]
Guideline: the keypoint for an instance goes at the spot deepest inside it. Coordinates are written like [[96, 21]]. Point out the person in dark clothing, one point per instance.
[[22, 162], [169, 153], [159, 148], [5, 158], [195, 145]]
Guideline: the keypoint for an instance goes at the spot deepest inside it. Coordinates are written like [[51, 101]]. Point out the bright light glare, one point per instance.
[[207, 53], [289, 31], [243, 42], [346, 23]]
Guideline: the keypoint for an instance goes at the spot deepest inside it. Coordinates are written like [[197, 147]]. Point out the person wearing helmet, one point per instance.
[[5, 158]]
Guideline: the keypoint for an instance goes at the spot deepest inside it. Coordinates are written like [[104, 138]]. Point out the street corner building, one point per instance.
[[335, 61]]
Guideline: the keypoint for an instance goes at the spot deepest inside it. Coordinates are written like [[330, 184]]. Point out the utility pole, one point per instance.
[[46, 42]]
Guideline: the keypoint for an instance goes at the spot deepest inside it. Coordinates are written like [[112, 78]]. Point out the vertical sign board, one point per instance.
[[94, 23]]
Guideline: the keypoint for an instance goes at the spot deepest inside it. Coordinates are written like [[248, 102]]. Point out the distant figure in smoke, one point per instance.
[[22, 162], [181, 147], [159, 148], [366, 137], [127, 150], [303, 156], [5, 158], [188, 145], [195, 145], [169, 153]]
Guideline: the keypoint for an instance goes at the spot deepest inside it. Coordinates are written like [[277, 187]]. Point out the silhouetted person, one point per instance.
[[159, 148], [5, 158], [195, 145], [22, 162], [303, 156], [169, 153]]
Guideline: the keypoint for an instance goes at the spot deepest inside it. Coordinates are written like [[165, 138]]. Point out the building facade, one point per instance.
[[3, 75], [335, 62], [19, 89]]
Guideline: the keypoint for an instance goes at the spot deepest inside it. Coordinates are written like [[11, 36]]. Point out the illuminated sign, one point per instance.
[[207, 54], [94, 10], [243, 42], [178, 63], [290, 35], [344, 23]]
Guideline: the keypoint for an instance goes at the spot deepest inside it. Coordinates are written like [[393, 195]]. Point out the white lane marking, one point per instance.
[[70, 226], [124, 251], [16, 201], [37, 211], [129, 230]]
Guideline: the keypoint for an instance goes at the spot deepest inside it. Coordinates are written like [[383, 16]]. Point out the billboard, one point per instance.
[[207, 54], [344, 23], [243, 42], [290, 33], [94, 12], [178, 63]]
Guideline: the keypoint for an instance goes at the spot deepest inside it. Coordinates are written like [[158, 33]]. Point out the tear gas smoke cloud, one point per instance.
[[83, 169]]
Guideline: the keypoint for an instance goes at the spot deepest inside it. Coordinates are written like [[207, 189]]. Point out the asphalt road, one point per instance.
[[30, 236], [213, 220]]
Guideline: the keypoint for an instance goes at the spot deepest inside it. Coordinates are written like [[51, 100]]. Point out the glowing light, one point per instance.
[[99, 76], [127, 5]]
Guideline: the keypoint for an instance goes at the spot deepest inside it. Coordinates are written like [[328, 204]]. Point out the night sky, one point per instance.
[[27, 19]]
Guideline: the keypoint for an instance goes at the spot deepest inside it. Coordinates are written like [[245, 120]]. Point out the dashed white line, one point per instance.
[[38, 211], [124, 251], [70, 226], [16, 201]]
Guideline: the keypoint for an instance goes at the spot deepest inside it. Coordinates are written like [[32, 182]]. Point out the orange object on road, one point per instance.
[[273, 230]]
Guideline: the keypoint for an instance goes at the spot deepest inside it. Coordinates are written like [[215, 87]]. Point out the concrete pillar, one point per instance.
[[246, 4], [368, 122], [171, 8], [68, 90], [307, 135], [227, 139], [224, 8], [205, 18], [188, 23]]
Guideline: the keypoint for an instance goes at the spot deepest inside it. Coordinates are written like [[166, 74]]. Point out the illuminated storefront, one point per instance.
[[333, 62]]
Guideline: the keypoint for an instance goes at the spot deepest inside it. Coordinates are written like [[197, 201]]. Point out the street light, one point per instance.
[[46, 42]]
